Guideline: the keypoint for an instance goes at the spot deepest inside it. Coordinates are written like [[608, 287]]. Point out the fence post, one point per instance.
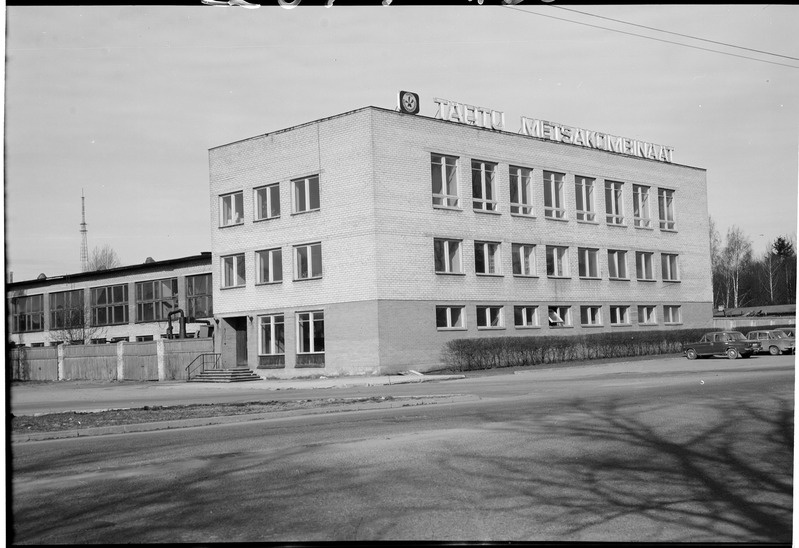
[[60, 349], [121, 361], [159, 349]]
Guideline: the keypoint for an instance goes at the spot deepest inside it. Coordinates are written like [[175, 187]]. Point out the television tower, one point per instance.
[[84, 244]]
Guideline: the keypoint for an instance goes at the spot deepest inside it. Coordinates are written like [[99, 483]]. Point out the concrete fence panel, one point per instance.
[[140, 361], [90, 362], [178, 354], [33, 364]]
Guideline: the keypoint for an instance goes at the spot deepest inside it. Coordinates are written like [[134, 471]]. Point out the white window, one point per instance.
[[311, 332], [588, 262], [489, 317], [308, 261], [484, 195], [671, 314], [450, 317], [270, 266], [590, 315], [525, 316], [614, 204], [445, 180], [619, 315], [669, 267], [557, 261], [559, 316], [617, 264], [646, 315], [231, 209], [666, 208], [305, 194], [523, 259], [267, 202], [486, 258], [584, 197], [447, 255], [521, 190], [553, 195], [272, 335], [233, 271], [641, 217], [643, 266]]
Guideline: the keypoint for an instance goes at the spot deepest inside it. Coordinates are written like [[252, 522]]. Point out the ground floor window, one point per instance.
[[272, 335], [489, 317], [525, 316], [559, 316], [646, 315], [590, 315], [311, 332], [619, 315], [671, 314], [450, 317]]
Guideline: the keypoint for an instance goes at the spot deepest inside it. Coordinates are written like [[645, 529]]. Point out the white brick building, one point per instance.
[[363, 242]]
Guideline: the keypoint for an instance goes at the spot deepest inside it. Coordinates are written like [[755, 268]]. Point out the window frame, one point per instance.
[[446, 199], [237, 198], [651, 318], [625, 314], [28, 313], [309, 183], [110, 305], [620, 261], [588, 253], [484, 173], [530, 320], [239, 262], [206, 298], [667, 217], [158, 301], [528, 262], [273, 342], [448, 313], [614, 203], [488, 314], [648, 262], [490, 261], [310, 259], [594, 318], [642, 212], [269, 255], [521, 184], [672, 273], [553, 185], [565, 319], [584, 188], [560, 259], [58, 318], [447, 256], [668, 314], [266, 202], [312, 319]]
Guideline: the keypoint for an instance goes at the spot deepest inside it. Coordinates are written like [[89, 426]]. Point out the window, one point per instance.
[[590, 315], [588, 263], [308, 261], [231, 211], [199, 296], [484, 196], [521, 190], [559, 316], [156, 299], [486, 258], [66, 309], [143, 338], [617, 264], [666, 208], [444, 170], [490, 317], [447, 256], [553, 195], [233, 271], [643, 266], [613, 203], [109, 305], [669, 267], [450, 317], [523, 259], [267, 202], [641, 207], [619, 315], [646, 315], [584, 196], [557, 261], [306, 194], [311, 332], [671, 314], [270, 266], [525, 316], [272, 335], [27, 314]]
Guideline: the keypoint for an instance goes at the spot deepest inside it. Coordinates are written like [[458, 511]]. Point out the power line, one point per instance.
[[651, 38]]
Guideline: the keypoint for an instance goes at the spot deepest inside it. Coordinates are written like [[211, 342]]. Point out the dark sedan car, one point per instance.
[[732, 344]]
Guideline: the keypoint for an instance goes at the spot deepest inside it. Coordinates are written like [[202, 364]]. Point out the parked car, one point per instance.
[[721, 343], [788, 332], [773, 341]]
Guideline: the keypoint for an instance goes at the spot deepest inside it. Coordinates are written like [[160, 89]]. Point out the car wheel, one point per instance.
[[774, 351], [732, 353], [691, 354]]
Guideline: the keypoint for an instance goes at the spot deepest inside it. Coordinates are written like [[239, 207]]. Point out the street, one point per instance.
[[673, 451]]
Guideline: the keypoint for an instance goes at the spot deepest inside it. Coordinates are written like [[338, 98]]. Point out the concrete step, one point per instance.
[[239, 374]]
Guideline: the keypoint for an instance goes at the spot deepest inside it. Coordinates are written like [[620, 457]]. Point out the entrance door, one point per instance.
[[234, 342], [241, 342]]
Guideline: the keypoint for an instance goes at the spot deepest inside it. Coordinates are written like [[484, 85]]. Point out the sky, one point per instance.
[[121, 103]]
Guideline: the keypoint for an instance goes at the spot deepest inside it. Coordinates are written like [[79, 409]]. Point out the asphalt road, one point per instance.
[[668, 451]]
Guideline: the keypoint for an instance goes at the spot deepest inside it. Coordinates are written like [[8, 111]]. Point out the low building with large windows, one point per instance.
[[363, 242]]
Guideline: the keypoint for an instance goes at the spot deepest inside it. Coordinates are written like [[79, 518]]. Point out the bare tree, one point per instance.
[[103, 258], [769, 266], [716, 264], [736, 256]]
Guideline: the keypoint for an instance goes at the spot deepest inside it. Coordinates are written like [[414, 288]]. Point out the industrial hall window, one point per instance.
[[305, 194], [308, 261], [67, 309], [267, 202], [553, 195], [27, 314], [641, 218], [199, 296], [156, 299], [231, 209], [521, 190], [109, 305], [270, 266], [444, 172], [484, 194], [584, 199], [614, 204], [486, 258], [447, 256], [666, 208], [233, 271]]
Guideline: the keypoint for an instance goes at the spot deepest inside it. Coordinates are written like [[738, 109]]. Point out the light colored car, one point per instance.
[[773, 341], [732, 344]]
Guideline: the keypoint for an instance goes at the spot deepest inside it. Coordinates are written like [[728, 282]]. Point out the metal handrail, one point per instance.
[[202, 364]]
